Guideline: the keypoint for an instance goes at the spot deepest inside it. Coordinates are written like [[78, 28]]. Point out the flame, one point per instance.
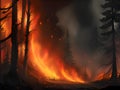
[[50, 67]]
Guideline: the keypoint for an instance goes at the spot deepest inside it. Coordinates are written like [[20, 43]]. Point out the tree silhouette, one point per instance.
[[5, 10], [111, 16], [12, 74], [27, 35], [21, 31]]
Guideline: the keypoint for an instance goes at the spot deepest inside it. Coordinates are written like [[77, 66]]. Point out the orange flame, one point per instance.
[[50, 67]]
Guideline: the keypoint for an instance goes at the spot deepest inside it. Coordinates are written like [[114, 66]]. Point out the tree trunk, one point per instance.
[[14, 52], [27, 36], [22, 28], [114, 65]]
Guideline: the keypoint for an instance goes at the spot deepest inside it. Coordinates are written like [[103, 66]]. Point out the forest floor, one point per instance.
[[59, 87], [31, 84]]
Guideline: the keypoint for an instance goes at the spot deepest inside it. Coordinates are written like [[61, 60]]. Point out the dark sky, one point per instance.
[[50, 5]]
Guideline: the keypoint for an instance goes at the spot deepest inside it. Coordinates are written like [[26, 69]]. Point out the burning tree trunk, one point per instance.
[[27, 35], [14, 52], [111, 16]]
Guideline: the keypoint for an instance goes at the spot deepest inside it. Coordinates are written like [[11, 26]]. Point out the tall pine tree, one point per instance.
[[111, 16]]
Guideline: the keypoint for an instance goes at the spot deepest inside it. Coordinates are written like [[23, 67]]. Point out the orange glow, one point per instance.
[[50, 67], [103, 76]]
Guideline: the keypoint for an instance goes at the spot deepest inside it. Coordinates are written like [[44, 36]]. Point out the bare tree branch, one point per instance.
[[8, 8], [3, 18], [1, 41]]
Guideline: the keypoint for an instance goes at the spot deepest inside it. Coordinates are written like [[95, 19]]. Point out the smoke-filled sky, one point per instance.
[[81, 19]]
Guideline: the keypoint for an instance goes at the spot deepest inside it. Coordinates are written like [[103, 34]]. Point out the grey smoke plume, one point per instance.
[[81, 19]]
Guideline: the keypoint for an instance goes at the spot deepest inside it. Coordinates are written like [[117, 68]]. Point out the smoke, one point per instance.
[[81, 19]]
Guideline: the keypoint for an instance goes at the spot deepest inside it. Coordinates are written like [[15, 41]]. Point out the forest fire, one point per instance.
[[51, 68], [57, 70], [40, 48]]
